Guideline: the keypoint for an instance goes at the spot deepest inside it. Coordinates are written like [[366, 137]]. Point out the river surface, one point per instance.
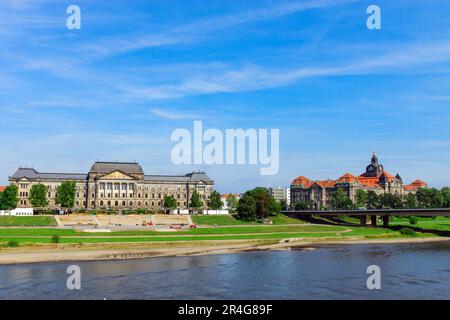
[[408, 271]]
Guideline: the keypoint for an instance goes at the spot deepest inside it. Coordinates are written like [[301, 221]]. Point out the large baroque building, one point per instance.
[[116, 185], [375, 178]]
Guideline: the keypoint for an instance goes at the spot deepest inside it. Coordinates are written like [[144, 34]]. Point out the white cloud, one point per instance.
[[174, 114], [196, 30], [252, 78]]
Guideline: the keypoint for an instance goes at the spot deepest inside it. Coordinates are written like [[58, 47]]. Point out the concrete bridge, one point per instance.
[[362, 214]]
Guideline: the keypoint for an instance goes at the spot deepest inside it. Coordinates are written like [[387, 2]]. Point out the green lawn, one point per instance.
[[365, 231], [228, 228], [169, 238], [229, 220], [437, 223], [33, 221], [283, 219], [200, 231], [219, 220], [345, 219], [422, 219], [223, 233]]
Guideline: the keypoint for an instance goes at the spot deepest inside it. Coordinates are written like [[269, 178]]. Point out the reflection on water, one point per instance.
[[409, 271]]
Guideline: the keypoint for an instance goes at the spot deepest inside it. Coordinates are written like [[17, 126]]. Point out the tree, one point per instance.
[[391, 201], [247, 208], [265, 204], [340, 200], [361, 198], [274, 206], [410, 201], [446, 196], [9, 197], [372, 200], [430, 198], [232, 203], [196, 202], [38, 196], [261, 205], [283, 205], [169, 202], [65, 194], [214, 201], [303, 205]]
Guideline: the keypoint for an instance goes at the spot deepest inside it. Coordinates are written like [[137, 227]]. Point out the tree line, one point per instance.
[[423, 198], [66, 191], [65, 196]]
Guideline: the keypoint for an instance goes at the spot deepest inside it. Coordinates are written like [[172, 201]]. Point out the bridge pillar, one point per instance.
[[385, 221], [373, 220], [363, 221]]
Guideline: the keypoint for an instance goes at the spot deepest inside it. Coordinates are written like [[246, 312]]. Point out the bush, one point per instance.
[[408, 232], [13, 244], [413, 220], [56, 238]]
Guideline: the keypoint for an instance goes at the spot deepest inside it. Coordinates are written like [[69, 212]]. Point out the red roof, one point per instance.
[[388, 176], [348, 177], [301, 180], [419, 183], [2, 188], [326, 183], [371, 182], [416, 185]]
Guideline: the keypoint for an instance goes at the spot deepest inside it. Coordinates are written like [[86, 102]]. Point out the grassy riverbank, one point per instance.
[[43, 252], [25, 236], [28, 244], [217, 234]]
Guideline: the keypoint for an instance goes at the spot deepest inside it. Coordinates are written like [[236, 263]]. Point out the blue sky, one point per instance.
[[137, 70]]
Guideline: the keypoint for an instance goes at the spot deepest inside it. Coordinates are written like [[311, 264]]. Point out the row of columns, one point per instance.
[[373, 221]]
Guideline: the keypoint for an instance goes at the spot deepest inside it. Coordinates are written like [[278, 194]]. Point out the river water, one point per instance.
[[408, 271]]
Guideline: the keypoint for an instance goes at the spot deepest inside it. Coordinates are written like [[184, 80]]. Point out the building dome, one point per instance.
[[374, 169]]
